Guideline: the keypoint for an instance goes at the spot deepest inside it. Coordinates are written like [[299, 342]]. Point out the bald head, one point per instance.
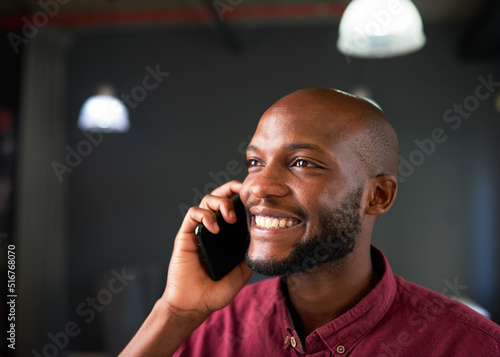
[[359, 124]]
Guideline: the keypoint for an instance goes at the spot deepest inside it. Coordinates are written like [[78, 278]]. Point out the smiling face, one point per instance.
[[305, 183]]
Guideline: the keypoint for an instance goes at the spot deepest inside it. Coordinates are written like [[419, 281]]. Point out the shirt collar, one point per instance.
[[348, 329]]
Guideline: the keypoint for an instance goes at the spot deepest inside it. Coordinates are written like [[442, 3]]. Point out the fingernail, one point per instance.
[[232, 215]]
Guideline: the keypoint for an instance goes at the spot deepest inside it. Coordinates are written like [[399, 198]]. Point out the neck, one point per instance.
[[323, 294]]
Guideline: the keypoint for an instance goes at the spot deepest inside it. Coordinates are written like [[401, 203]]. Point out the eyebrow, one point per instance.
[[304, 146], [293, 147]]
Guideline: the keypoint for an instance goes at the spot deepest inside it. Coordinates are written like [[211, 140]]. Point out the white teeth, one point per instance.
[[274, 222]]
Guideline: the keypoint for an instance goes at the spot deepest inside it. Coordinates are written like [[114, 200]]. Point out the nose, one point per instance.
[[268, 182]]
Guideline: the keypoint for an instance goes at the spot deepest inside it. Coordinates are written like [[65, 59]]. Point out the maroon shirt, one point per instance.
[[397, 318]]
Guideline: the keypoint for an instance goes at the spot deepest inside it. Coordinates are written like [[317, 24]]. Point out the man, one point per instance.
[[321, 169]]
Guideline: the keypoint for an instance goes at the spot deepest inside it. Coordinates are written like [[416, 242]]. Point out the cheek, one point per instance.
[[316, 197], [319, 201]]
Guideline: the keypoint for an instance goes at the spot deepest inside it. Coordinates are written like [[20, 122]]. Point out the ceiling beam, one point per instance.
[[12, 22]]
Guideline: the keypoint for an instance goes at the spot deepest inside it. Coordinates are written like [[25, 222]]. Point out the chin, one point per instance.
[[267, 251], [277, 259], [270, 262]]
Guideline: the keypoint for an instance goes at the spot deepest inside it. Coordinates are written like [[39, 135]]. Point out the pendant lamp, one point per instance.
[[104, 112], [380, 29]]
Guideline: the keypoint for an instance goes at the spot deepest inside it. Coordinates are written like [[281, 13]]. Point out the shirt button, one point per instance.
[[293, 342], [340, 349], [287, 339]]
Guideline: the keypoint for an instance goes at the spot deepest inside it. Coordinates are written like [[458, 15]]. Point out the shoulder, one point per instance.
[[431, 313]]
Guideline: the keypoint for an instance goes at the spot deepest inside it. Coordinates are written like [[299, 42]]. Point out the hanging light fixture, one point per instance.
[[380, 28], [104, 112]]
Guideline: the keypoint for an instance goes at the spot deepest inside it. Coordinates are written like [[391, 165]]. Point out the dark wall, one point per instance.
[[10, 64], [125, 195]]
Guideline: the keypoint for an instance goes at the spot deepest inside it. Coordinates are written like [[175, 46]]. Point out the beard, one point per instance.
[[331, 243]]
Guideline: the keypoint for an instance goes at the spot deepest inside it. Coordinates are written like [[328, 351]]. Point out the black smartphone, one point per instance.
[[221, 252]]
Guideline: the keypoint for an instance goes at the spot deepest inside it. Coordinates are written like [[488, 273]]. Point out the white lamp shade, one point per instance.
[[380, 28], [104, 113]]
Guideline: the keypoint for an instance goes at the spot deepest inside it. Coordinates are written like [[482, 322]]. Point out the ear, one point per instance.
[[381, 195]]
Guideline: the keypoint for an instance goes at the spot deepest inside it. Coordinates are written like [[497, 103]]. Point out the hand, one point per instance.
[[190, 295], [190, 292]]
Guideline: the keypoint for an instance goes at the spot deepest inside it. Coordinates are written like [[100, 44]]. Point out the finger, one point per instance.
[[197, 215], [229, 189], [218, 200], [224, 205]]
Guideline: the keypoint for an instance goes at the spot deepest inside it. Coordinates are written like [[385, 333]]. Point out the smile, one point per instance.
[[270, 222]]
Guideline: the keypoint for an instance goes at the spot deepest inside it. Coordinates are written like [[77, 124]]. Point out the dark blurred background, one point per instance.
[[118, 210]]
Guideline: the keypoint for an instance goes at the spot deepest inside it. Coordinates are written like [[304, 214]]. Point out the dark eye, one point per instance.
[[253, 163], [303, 163]]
